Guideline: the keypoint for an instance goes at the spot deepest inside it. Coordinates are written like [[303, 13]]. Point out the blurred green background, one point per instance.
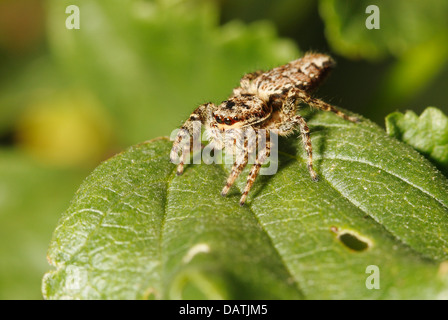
[[71, 98]]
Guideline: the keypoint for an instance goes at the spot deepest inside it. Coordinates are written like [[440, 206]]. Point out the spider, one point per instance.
[[264, 102]]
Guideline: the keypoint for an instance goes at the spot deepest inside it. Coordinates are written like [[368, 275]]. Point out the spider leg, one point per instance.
[[290, 120], [319, 104], [237, 168], [188, 133], [263, 154], [288, 127]]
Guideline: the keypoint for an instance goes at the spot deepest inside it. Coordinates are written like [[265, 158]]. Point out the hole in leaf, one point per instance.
[[353, 241]]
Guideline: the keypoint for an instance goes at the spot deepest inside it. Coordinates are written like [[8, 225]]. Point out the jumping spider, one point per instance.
[[264, 100]]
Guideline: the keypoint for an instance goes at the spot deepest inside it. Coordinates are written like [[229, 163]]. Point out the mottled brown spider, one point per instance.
[[264, 102]]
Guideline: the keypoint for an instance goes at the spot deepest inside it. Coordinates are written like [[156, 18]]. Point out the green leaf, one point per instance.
[[414, 71], [427, 133], [403, 25], [137, 230]]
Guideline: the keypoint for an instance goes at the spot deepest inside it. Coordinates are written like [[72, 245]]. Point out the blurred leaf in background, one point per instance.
[[403, 24], [412, 32]]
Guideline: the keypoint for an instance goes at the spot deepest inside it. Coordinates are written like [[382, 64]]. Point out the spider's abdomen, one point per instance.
[[305, 73]]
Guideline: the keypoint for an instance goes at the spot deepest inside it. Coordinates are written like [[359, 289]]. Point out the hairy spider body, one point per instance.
[[264, 102]]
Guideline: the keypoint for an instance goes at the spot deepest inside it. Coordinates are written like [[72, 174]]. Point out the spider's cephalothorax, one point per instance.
[[240, 111], [264, 102]]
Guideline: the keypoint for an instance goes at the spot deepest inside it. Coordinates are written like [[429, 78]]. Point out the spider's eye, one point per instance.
[[235, 119], [218, 119], [227, 121]]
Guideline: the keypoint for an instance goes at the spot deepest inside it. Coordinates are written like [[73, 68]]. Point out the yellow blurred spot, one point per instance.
[[66, 129]]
